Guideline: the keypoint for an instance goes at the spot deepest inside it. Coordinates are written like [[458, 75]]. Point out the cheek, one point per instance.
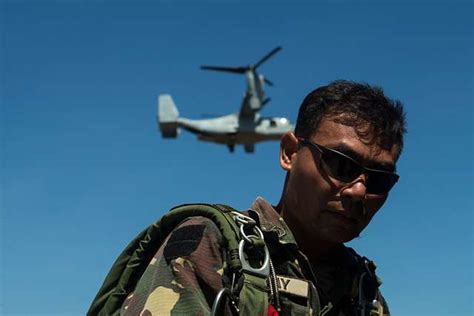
[[373, 205], [310, 188]]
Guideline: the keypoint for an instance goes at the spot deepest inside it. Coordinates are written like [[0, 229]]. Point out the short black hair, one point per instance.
[[354, 104]]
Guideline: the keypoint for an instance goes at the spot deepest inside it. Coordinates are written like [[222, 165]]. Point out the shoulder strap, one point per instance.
[[368, 293]]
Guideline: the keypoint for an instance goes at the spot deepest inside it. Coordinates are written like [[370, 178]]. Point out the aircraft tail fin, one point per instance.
[[167, 116]]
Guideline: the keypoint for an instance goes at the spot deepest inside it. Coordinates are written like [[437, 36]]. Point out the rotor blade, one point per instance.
[[267, 56], [268, 82], [238, 70]]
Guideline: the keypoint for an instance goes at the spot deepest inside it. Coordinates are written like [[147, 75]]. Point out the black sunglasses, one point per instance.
[[344, 168]]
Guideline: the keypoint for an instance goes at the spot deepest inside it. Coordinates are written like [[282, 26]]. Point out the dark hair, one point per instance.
[[354, 104]]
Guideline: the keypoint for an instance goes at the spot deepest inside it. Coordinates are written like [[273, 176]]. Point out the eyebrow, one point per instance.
[[343, 148]]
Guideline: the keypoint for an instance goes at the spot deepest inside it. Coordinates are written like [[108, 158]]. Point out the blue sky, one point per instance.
[[83, 167]]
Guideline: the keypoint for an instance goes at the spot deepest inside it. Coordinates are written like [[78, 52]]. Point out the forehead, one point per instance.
[[349, 141]]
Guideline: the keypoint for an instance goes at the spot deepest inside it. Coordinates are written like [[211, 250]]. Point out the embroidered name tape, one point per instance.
[[292, 286]]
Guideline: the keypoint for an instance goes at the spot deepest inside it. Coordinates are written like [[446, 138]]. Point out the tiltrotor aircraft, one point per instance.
[[246, 127]]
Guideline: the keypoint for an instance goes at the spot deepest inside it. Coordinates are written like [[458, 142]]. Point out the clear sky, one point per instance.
[[83, 167]]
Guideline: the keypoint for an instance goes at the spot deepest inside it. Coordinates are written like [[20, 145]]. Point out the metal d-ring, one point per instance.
[[264, 270], [247, 222], [248, 238], [220, 301]]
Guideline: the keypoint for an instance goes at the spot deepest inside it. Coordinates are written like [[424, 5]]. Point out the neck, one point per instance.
[[315, 248]]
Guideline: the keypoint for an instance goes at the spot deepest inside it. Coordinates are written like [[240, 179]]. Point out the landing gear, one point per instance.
[[249, 148], [231, 147]]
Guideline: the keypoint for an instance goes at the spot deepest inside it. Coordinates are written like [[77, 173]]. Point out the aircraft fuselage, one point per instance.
[[230, 130]]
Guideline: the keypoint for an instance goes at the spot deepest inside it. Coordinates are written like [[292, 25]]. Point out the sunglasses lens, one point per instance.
[[380, 183], [340, 167], [347, 170]]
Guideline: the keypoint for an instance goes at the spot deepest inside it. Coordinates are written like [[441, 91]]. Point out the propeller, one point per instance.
[[267, 57], [243, 69], [238, 70], [268, 82]]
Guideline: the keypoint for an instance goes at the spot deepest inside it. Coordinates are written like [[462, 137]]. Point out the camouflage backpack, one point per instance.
[[239, 232]]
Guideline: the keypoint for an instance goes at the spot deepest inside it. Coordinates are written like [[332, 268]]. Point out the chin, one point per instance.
[[339, 235]]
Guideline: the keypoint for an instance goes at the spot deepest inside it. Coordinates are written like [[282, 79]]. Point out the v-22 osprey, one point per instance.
[[247, 127]]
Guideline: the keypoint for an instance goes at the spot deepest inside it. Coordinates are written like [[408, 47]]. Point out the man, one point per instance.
[[340, 163]]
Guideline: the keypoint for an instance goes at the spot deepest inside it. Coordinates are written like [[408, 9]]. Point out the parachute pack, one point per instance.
[[239, 232]]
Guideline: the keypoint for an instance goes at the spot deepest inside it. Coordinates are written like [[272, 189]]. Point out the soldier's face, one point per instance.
[[318, 207]]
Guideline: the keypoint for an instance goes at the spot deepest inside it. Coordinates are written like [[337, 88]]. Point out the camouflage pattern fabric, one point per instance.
[[186, 273]]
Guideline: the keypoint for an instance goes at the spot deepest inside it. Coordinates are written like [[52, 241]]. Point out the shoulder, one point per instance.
[[184, 274], [190, 236]]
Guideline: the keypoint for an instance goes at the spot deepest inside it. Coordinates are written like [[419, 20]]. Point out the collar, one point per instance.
[[271, 221]]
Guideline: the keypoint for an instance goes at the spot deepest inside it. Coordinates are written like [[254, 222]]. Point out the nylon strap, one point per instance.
[[253, 298]]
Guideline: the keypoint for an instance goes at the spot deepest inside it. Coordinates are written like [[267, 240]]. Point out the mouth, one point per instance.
[[343, 217]]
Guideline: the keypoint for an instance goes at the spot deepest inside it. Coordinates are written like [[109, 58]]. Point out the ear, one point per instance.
[[288, 149]]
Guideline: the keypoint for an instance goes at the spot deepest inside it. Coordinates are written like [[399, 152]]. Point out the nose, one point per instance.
[[356, 190]]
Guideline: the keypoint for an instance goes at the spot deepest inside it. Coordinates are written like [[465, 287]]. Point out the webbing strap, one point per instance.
[[253, 298]]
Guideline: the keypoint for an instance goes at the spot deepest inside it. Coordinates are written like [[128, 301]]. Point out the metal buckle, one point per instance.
[[263, 271], [242, 219]]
